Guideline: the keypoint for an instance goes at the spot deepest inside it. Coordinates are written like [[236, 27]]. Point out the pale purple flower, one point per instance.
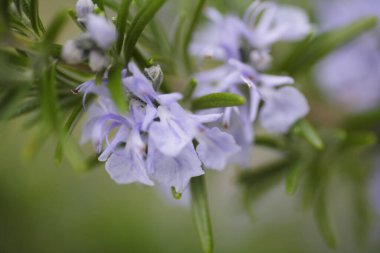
[[351, 74], [282, 107], [221, 39], [268, 23], [243, 47], [97, 61], [83, 8], [154, 140], [71, 53], [102, 31]]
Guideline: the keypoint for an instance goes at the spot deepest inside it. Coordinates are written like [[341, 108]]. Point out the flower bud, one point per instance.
[[71, 53], [102, 31], [83, 8], [97, 61], [155, 74]]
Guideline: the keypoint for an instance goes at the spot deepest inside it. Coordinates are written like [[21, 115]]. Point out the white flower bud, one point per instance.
[[97, 61], [83, 8], [71, 53], [102, 31]]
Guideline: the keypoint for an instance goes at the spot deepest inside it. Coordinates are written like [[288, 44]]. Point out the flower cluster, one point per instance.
[[156, 140], [350, 75], [92, 45], [243, 48]]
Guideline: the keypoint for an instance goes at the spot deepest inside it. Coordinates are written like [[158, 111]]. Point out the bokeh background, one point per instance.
[[46, 208]]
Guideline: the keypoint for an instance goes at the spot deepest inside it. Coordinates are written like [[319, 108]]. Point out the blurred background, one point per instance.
[[46, 208]]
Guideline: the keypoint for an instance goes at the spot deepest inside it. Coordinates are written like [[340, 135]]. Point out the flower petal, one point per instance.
[[174, 171], [215, 147], [127, 168], [282, 108]]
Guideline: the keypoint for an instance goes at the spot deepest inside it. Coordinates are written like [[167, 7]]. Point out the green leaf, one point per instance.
[[49, 103], [190, 31], [323, 221], [199, 206], [69, 126], [121, 23], [35, 17], [142, 18], [100, 4], [189, 89], [215, 100], [363, 120], [115, 86], [306, 130], [323, 44], [55, 28], [293, 178]]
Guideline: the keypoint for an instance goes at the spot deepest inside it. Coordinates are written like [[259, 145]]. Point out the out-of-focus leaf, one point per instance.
[[142, 18], [116, 89], [121, 23], [100, 4], [35, 17], [53, 30], [359, 139], [323, 44], [364, 120], [9, 101], [270, 141], [49, 103], [69, 126], [199, 206], [190, 31], [323, 221], [215, 100], [293, 177], [4, 18], [306, 130], [189, 90]]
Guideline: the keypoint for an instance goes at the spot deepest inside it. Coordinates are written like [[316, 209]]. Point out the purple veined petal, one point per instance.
[[129, 166], [246, 72], [254, 101], [226, 120], [174, 171], [274, 81], [139, 85], [282, 108], [150, 114], [167, 99], [171, 134], [100, 131], [111, 147], [241, 128], [215, 148], [102, 31], [93, 114]]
